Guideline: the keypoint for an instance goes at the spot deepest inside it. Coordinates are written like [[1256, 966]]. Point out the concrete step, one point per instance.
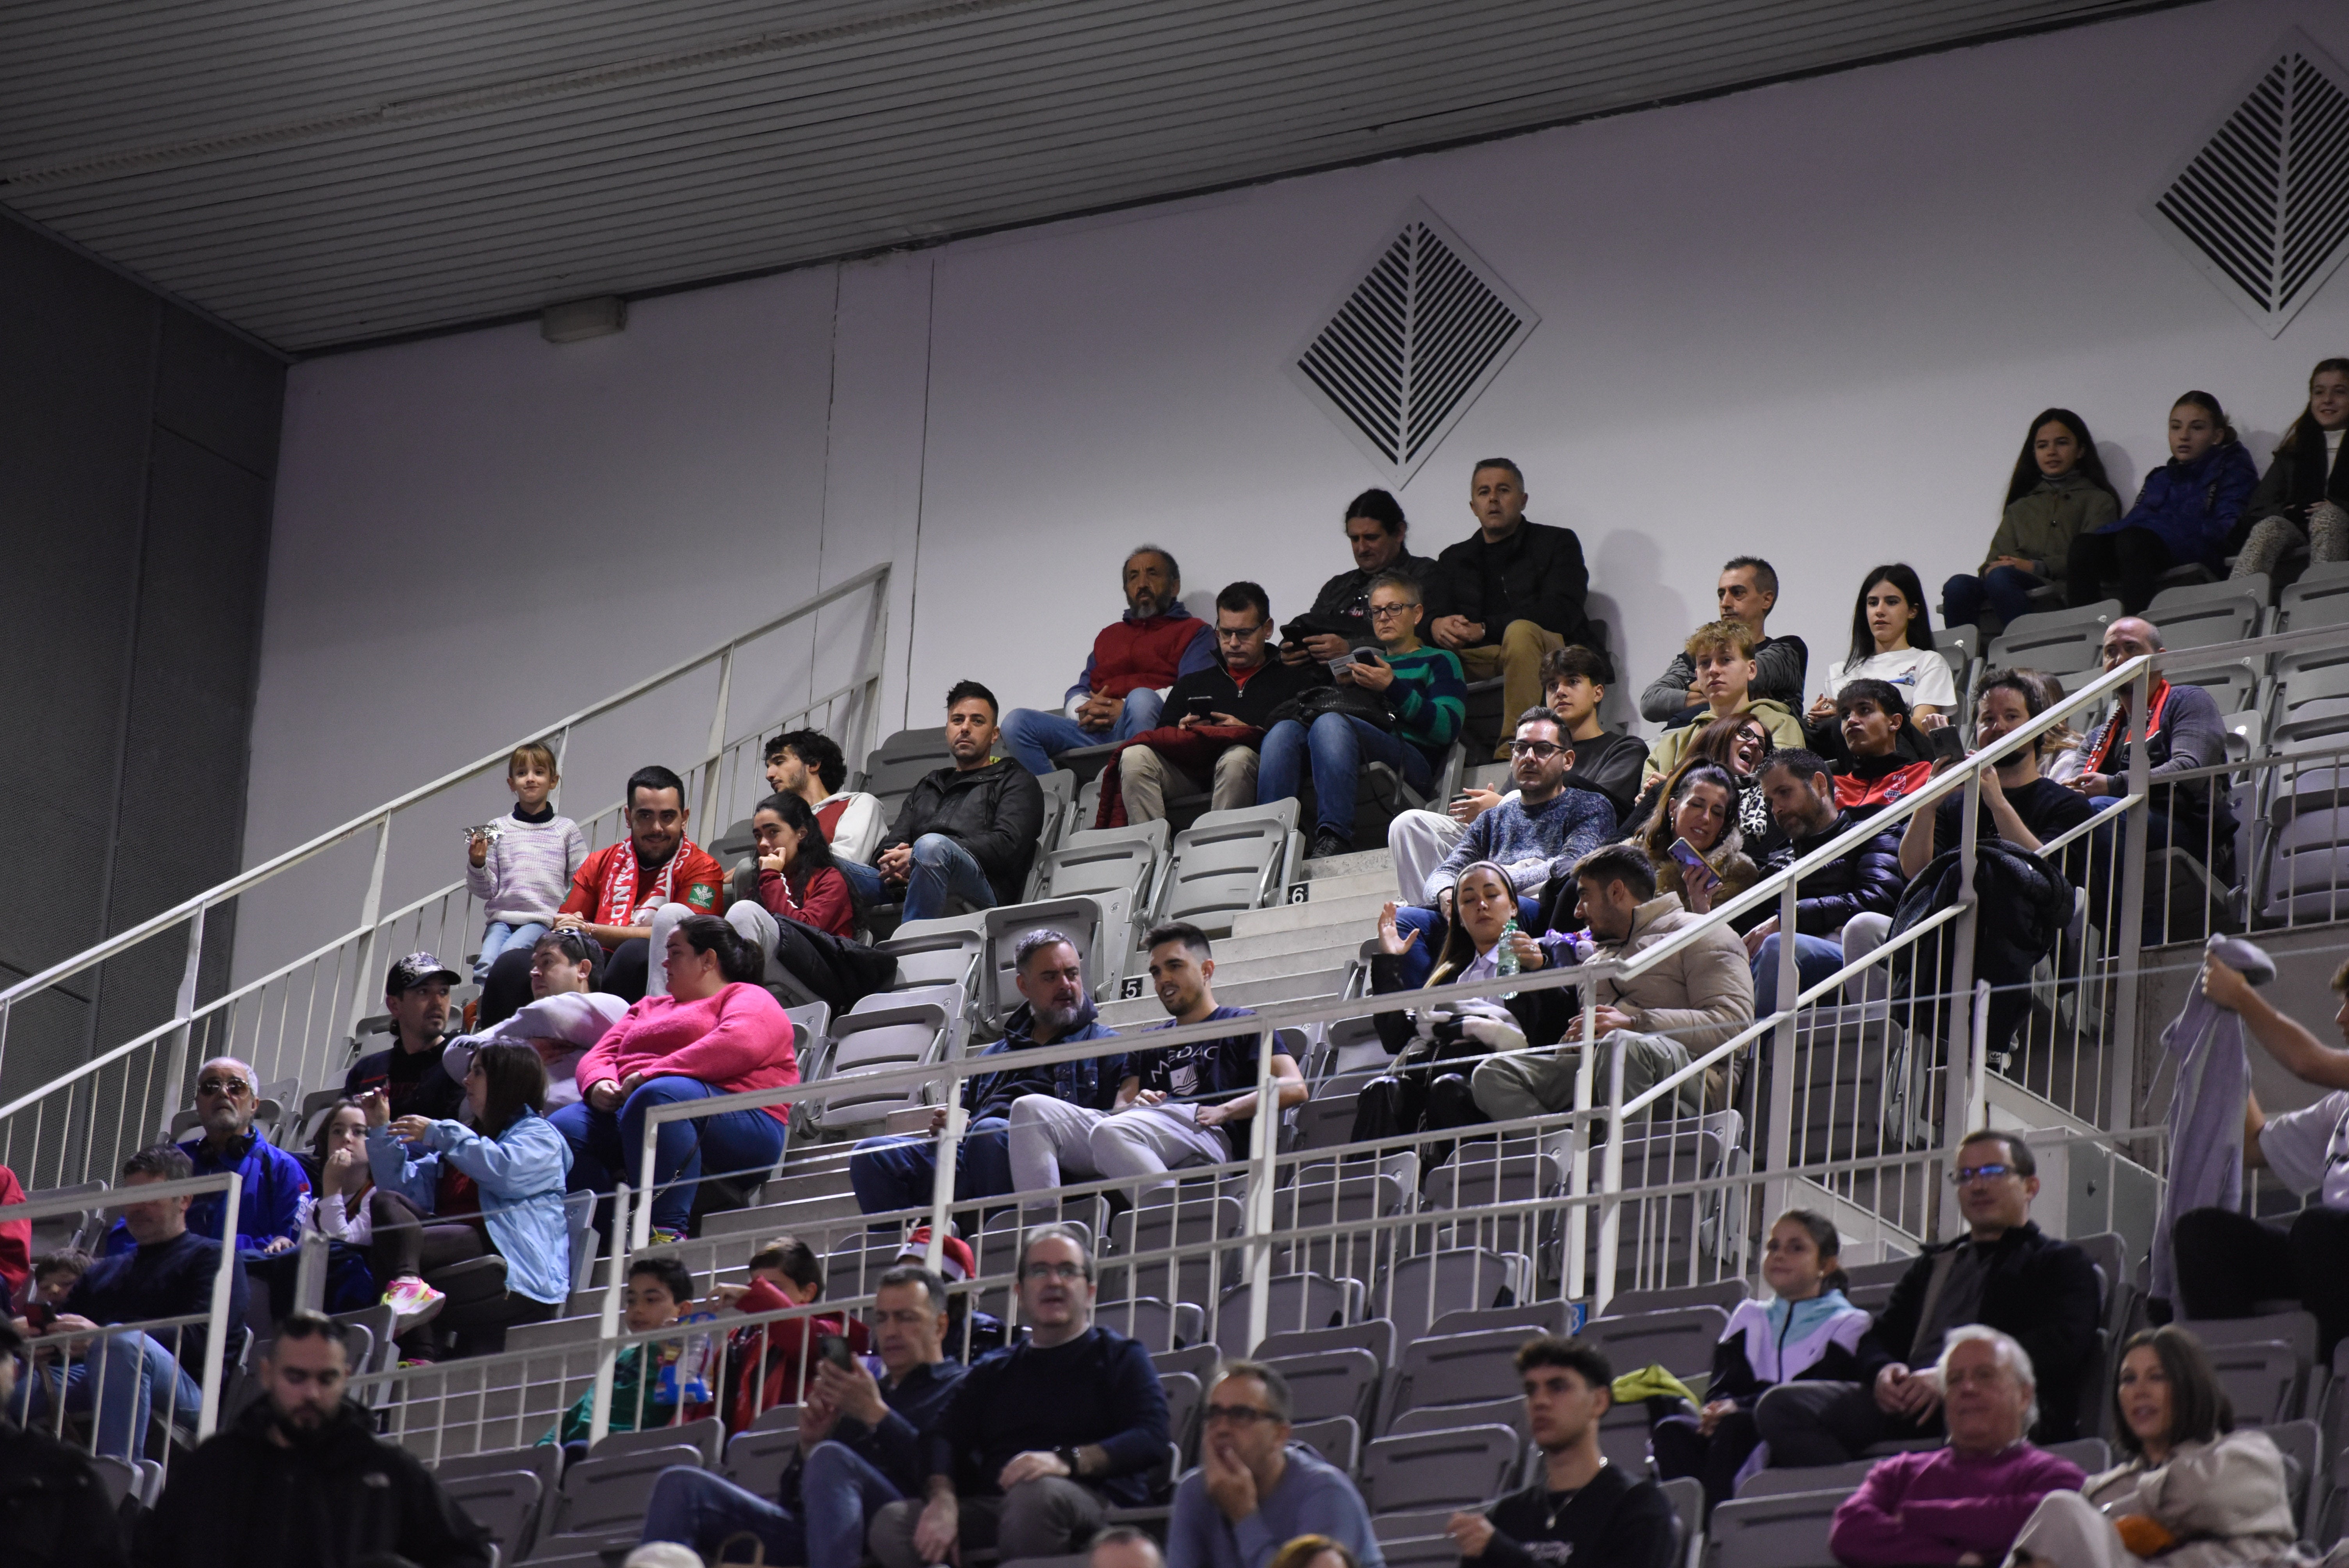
[[1359, 909], [1361, 860], [1266, 967], [1301, 939], [1357, 885]]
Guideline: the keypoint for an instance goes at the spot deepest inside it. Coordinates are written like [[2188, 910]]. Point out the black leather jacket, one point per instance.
[[995, 812]]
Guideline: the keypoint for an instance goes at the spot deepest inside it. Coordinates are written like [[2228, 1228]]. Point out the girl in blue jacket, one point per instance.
[[1809, 1330], [2184, 514]]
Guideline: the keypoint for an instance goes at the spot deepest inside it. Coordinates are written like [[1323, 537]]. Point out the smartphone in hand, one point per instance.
[[1202, 709], [833, 1347], [1947, 743]]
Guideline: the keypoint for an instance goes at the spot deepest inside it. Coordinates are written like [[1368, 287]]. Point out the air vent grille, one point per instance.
[[1407, 353], [2262, 206]]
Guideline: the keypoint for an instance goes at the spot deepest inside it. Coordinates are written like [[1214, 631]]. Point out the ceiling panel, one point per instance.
[[322, 174]]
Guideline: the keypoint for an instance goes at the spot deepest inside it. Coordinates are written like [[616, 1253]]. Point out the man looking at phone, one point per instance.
[[861, 1441], [1377, 535], [1039, 1438], [1240, 689], [1536, 834]]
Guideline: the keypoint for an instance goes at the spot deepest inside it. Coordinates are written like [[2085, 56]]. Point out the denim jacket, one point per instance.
[[520, 1174]]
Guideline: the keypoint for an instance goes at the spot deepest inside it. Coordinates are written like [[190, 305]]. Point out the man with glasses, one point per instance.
[[1252, 1493], [1536, 833], [2004, 1274], [300, 1479], [1042, 1437], [860, 1444], [1238, 692], [271, 1182], [415, 994]]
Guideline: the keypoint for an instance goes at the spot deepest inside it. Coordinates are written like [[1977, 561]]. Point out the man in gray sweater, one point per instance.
[[1253, 1493]]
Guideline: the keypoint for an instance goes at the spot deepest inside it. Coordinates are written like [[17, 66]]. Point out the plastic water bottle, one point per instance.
[[687, 1376], [1504, 957]]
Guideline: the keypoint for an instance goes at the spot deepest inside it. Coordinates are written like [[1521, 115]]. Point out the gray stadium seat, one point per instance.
[[1199, 1360], [2318, 599], [1843, 1478], [506, 1503], [1375, 1334], [1227, 861], [1457, 1369], [1508, 1412], [1076, 915], [1724, 1293], [1410, 1525], [607, 1496], [1293, 1301], [755, 1460], [1186, 1395], [944, 952], [1419, 1290], [1337, 1440], [1172, 1217], [1118, 866], [2261, 1378], [1456, 1469], [1679, 1339], [2233, 684], [1787, 1530], [1159, 1326], [1329, 1383], [1419, 1552], [887, 1029], [2199, 614], [2054, 639], [544, 1461], [1528, 1317]]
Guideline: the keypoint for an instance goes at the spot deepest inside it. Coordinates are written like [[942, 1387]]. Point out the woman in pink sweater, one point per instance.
[[714, 1033]]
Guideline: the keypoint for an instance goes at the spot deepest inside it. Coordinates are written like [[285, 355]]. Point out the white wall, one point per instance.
[[1810, 320]]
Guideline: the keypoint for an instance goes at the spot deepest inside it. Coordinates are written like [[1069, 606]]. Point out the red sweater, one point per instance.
[[736, 1041], [827, 906], [15, 1239], [1131, 654], [785, 1344]]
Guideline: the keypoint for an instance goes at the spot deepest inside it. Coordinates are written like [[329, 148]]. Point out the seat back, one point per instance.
[[1678, 1339], [1375, 1334], [2055, 639], [1226, 862], [2315, 601], [707, 1435], [506, 1503], [1786, 1530], [1334, 1439], [2261, 1378], [1171, 1218], [2199, 614], [892, 1032], [944, 952], [1293, 1301], [1724, 1293], [579, 1222], [755, 1460], [1508, 1412], [1454, 1468], [2233, 684], [610, 1494], [1079, 917], [1419, 1290], [1160, 1326], [1552, 1316], [1458, 1369], [1328, 1383]]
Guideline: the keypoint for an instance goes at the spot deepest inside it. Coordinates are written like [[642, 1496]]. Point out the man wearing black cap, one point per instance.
[[416, 993]]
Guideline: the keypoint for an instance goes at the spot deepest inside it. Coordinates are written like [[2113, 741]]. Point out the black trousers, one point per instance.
[[1682, 1450], [2136, 556], [2227, 1263], [1820, 1423]]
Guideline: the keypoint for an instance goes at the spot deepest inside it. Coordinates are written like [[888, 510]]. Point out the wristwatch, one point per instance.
[[1067, 1456]]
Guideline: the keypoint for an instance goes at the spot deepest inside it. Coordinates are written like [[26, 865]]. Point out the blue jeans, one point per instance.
[[1815, 958], [899, 1173], [1419, 960], [944, 871], [497, 937], [607, 1147], [2005, 589], [1340, 744], [863, 880], [839, 1493], [134, 1374], [1032, 735]]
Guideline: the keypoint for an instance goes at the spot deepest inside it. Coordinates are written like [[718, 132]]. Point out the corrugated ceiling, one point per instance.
[[325, 173]]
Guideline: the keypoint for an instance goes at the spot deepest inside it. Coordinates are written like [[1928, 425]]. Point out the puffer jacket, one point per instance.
[[2040, 524], [2227, 1501], [1699, 995], [1865, 880], [2022, 905], [2193, 507], [54, 1510], [994, 812]]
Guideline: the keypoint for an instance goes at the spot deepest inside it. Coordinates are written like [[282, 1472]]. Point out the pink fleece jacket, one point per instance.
[[736, 1041]]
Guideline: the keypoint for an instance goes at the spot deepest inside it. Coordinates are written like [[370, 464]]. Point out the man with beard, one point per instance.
[[626, 894], [301, 1479], [1134, 661], [896, 1173], [410, 1070]]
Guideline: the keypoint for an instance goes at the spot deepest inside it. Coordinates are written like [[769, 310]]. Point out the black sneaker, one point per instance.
[[1327, 842]]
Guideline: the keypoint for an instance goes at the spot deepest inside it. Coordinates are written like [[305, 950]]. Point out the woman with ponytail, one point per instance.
[[2304, 499], [1808, 1330], [716, 1032], [2185, 512]]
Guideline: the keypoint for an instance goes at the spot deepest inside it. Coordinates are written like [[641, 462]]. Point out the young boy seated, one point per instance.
[[53, 1279], [660, 1291], [772, 1358], [1871, 716]]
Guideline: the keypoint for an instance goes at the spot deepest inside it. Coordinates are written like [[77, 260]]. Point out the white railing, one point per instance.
[[297, 1023]]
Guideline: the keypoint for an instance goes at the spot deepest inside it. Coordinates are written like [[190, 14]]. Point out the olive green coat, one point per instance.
[[2040, 524]]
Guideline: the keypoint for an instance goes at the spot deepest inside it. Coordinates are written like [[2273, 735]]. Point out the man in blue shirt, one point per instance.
[[272, 1181], [862, 1443], [166, 1271], [1179, 1105], [898, 1173], [1253, 1493]]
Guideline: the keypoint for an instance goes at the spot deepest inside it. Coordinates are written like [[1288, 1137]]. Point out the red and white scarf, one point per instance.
[[619, 903]]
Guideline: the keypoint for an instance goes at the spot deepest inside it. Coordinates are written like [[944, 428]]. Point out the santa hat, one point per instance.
[[955, 1262]]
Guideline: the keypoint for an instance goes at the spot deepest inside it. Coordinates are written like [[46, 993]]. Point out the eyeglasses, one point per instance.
[[1243, 1415], [1053, 1271], [1965, 1173], [1537, 748], [228, 1087], [1385, 611], [1239, 633]]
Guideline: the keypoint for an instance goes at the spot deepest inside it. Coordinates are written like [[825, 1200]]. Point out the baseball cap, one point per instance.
[[955, 1262], [414, 970]]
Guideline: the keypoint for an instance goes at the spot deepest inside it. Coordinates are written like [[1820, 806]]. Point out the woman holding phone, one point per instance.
[[1692, 838]]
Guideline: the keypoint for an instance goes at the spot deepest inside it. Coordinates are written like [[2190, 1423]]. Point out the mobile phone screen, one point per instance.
[[833, 1349], [1200, 708], [1685, 852]]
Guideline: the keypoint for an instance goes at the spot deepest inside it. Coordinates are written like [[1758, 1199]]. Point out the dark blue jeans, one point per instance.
[[898, 1173], [607, 1147], [1337, 743], [2003, 588], [1815, 958], [839, 1493]]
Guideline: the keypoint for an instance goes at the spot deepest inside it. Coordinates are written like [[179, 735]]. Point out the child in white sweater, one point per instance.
[[521, 866]]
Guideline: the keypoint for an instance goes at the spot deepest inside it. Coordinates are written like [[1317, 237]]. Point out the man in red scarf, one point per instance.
[[620, 888]]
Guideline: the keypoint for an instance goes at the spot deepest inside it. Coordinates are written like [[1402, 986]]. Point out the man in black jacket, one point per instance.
[[1240, 688], [301, 1480], [2005, 1273], [1340, 617], [1508, 593], [967, 831], [54, 1510], [1865, 880], [1039, 1438]]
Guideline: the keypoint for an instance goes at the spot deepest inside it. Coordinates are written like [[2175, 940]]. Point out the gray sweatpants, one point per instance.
[[1053, 1142], [1536, 1084]]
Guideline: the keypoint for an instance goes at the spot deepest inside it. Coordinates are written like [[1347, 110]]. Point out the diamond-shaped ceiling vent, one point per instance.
[[1420, 336], [2262, 206]]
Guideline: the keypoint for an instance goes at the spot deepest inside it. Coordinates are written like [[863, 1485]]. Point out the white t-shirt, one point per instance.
[[1920, 674], [2309, 1148]]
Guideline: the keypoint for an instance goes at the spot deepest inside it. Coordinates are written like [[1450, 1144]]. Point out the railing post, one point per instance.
[[1958, 1031], [371, 910], [2131, 912], [182, 1010], [216, 1324], [562, 746], [1610, 1183], [1578, 1171], [942, 1180], [1781, 1152], [607, 1357], [716, 740], [1264, 1143]]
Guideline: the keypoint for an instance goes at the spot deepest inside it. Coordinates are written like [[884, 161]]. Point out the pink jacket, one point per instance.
[[736, 1041]]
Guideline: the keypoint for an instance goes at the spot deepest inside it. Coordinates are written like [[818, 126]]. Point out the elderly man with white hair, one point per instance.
[[269, 1206], [1961, 1505]]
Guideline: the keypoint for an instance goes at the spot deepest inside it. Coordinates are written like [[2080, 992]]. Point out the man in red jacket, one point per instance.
[[1134, 661], [627, 895]]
